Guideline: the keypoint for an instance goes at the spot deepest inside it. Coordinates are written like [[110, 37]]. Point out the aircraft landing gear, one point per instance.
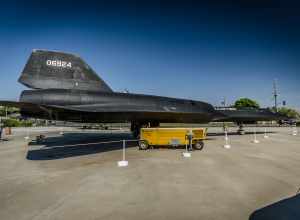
[[135, 129], [241, 130]]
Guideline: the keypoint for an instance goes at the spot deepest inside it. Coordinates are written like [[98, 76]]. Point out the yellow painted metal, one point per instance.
[[171, 136]]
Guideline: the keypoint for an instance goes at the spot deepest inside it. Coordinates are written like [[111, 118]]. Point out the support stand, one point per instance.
[[189, 136], [266, 136], [123, 163], [27, 135], [255, 141], [61, 131], [295, 131], [226, 145], [186, 153], [1, 129]]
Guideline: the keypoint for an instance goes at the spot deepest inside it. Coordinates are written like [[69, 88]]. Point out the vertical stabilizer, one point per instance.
[[59, 70]]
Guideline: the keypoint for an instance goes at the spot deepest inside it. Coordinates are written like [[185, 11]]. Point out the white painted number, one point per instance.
[[59, 63]]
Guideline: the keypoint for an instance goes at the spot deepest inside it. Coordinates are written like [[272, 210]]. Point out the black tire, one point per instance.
[[143, 145], [198, 145], [241, 132]]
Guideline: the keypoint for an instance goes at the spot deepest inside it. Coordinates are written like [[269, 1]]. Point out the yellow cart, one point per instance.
[[172, 137]]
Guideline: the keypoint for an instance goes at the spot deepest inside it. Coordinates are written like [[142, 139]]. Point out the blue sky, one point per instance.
[[202, 51]]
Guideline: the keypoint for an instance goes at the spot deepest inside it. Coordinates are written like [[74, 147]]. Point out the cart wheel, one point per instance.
[[143, 145], [198, 145]]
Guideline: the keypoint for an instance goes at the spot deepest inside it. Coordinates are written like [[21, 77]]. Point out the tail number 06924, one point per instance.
[[59, 63]]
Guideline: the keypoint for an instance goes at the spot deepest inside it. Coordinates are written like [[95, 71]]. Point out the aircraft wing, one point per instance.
[[31, 107], [51, 111], [88, 108], [244, 116], [111, 107]]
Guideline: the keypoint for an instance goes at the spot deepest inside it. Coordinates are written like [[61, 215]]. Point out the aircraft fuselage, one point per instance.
[[93, 106]]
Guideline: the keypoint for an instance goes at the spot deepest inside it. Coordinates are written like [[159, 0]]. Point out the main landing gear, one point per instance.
[[241, 130]]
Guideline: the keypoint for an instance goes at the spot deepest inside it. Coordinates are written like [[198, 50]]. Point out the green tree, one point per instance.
[[289, 112], [11, 123], [246, 103], [8, 110], [2, 111]]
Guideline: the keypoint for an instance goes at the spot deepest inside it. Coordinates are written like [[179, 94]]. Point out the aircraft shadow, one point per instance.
[[284, 209], [77, 144]]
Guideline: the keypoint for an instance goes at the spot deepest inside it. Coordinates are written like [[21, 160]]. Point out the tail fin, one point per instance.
[[58, 70]]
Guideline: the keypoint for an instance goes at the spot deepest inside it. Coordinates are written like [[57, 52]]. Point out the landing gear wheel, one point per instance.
[[198, 145], [241, 132], [143, 145]]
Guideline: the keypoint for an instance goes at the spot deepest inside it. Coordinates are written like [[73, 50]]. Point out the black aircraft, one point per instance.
[[64, 87], [246, 115]]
